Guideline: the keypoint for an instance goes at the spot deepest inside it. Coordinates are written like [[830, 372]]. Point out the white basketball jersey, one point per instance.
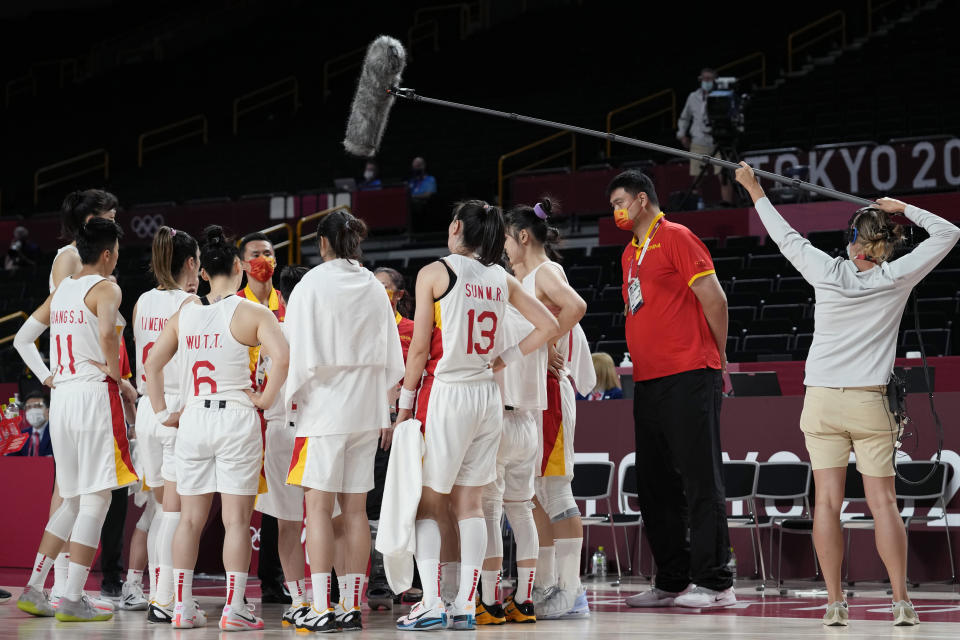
[[525, 382], [469, 317], [213, 365], [75, 333], [69, 247], [154, 308]]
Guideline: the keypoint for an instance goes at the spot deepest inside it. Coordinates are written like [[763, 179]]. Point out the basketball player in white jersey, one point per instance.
[[465, 295], [345, 360], [529, 241], [219, 447], [175, 263], [77, 208], [86, 415], [285, 501]]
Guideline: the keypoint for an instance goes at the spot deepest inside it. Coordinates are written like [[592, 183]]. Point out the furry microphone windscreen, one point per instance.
[[382, 68]]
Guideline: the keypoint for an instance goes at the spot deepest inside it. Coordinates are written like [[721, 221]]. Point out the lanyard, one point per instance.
[[646, 243]]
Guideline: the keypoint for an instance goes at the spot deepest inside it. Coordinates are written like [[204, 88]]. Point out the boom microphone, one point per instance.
[[379, 85], [382, 67]]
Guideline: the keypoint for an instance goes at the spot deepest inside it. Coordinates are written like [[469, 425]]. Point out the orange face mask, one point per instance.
[[262, 267], [621, 217]]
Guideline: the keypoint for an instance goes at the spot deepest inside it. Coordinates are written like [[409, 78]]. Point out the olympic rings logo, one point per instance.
[[146, 226]]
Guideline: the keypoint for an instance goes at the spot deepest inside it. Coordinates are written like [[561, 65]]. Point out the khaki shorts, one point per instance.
[[696, 164], [833, 420]]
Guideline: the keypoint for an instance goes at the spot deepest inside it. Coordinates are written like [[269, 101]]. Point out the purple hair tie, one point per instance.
[[537, 209]]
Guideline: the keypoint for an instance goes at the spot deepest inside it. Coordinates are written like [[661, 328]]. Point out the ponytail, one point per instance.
[[344, 232], [536, 221], [171, 250], [482, 230]]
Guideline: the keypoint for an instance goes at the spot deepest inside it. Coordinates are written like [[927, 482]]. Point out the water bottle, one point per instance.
[[626, 362], [598, 566], [12, 411], [732, 564], [700, 203]]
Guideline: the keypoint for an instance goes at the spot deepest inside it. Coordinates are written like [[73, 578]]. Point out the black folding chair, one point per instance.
[[740, 484], [786, 481], [594, 481]]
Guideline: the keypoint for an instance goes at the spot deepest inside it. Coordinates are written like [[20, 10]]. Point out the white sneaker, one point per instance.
[[655, 598], [239, 620], [423, 618], [104, 606], [540, 594], [564, 603], [904, 614], [703, 598], [837, 614], [132, 598], [187, 616]]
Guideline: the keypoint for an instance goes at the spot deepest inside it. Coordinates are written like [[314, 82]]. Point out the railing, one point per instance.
[[305, 219], [288, 243], [462, 7], [758, 56], [340, 65], [25, 84], [873, 8], [104, 163], [63, 66], [661, 111], [8, 318], [571, 150], [200, 130], [841, 27], [424, 32], [281, 89]]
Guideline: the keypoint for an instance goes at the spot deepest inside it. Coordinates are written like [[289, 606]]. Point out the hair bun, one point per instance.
[[546, 204], [214, 234]]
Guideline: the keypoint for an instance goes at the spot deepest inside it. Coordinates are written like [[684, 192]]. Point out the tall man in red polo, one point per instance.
[[676, 326], [259, 263]]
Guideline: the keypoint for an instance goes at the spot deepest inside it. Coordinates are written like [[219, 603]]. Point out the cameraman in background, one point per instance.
[[695, 133], [23, 252]]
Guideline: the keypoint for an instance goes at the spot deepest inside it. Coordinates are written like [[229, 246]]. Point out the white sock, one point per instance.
[[490, 580], [236, 587], [525, 579], [568, 562], [321, 591], [61, 568], [168, 526], [473, 546], [546, 568], [76, 578], [41, 568], [135, 577], [184, 586], [428, 560], [298, 592], [153, 550], [449, 577], [350, 590]]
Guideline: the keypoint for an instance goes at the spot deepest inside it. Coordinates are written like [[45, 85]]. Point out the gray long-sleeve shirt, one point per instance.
[[858, 312], [693, 120]]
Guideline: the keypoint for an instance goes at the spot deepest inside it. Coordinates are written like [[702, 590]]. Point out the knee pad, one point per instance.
[[61, 522], [556, 498], [520, 515], [90, 516], [493, 517], [146, 518]]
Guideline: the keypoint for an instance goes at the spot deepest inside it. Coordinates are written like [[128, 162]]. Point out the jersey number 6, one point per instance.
[[489, 334], [198, 380]]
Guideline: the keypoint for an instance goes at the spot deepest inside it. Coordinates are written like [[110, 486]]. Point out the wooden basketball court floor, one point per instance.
[[796, 615]]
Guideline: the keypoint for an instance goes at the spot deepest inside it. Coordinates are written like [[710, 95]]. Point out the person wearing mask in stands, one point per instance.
[[695, 133], [860, 300], [608, 381], [371, 177], [36, 420]]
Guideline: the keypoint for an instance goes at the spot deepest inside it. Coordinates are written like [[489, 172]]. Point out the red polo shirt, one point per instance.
[[669, 333]]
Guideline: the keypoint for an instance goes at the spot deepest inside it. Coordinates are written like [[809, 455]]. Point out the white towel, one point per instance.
[[396, 536]]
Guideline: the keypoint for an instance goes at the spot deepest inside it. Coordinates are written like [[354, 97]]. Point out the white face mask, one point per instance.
[[36, 417], [368, 175]]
